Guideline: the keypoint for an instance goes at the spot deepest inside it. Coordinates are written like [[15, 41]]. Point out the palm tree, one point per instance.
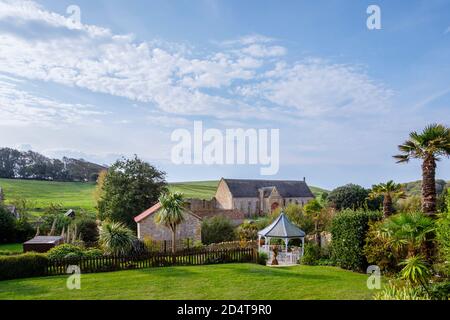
[[408, 231], [429, 146], [171, 213], [389, 191]]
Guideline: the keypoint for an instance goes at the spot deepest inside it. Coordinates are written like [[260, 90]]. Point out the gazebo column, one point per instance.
[[303, 246], [259, 243]]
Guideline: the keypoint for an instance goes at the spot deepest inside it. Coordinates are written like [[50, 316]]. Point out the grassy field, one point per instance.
[[79, 195], [12, 247], [213, 282], [71, 195]]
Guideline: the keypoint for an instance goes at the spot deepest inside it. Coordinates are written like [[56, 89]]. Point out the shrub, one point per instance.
[[248, 231], [440, 290], [88, 229], [378, 249], [217, 229], [23, 230], [93, 253], [64, 250], [395, 291], [23, 266], [348, 230], [7, 226], [262, 258], [443, 239], [311, 254]]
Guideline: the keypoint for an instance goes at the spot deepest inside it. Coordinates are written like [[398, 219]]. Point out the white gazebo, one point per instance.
[[284, 229]]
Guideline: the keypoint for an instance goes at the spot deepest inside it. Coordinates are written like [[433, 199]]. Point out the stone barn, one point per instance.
[[147, 227]]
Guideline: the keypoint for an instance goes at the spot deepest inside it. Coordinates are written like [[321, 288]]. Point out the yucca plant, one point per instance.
[[429, 146], [389, 191], [115, 238], [415, 270]]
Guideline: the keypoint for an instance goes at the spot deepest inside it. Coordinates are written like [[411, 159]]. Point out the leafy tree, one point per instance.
[[217, 229], [297, 216], [115, 238], [130, 187], [248, 231], [429, 146], [350, 196], [388, 191], [171, 213]]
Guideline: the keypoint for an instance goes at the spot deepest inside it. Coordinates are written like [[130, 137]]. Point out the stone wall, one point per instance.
[[223, 197], [189, 229]]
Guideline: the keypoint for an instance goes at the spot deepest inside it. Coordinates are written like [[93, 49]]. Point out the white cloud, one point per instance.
[[22, 108], [177, 83]]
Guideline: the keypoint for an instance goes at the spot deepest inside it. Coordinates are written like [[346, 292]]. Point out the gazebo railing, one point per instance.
[[283, 257]]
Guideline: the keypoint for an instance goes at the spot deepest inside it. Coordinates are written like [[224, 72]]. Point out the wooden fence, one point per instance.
[[153, 259]]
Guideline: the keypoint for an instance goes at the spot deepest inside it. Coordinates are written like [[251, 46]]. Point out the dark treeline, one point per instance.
[[15, 164]]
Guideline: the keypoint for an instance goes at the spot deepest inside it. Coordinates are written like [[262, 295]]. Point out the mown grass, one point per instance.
[[213, 282]]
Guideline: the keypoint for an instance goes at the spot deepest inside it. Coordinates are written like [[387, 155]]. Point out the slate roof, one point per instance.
[[241, 188], [282, 228], [45, 239]]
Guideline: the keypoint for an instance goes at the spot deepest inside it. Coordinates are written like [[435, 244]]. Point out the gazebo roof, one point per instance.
[[282, 228]]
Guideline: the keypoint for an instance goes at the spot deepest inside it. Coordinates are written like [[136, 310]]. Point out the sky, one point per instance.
[[131, 72]]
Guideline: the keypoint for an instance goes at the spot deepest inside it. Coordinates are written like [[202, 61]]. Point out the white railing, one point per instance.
[[283, 257]]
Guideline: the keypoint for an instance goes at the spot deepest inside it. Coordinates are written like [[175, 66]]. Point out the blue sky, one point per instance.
[[342, 96]]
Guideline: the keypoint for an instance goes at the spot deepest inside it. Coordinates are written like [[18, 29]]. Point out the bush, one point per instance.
[[350, 196], [401, 292], [24, 231], [443, 239], [88, 229], [93, 253], [440, 290], [248, 231], [262, 258], [64, 250], [348, 230], [378, 250], [116, 239], [23, 266], [7, 226], [217, 229], [311, 255]]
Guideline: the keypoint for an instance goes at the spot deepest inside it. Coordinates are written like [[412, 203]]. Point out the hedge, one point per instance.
[[23, 266], [348, 231]]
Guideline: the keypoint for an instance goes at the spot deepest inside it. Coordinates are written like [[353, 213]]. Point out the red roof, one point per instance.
[[147, 212]]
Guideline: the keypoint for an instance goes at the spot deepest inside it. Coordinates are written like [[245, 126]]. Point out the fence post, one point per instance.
[[165, 246]]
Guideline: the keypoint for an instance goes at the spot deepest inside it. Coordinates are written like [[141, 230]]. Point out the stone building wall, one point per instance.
[[189, 229], [223, 197]]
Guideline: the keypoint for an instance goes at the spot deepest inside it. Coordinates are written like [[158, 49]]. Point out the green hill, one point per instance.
[[79, 195]]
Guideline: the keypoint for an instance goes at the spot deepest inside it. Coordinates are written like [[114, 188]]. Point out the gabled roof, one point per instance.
[[242, 188], [154, 209], [282, 228], [147, 212]]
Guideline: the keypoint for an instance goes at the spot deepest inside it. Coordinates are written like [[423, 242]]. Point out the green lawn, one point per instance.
[[12, 247], [197, 189], [214, 282]]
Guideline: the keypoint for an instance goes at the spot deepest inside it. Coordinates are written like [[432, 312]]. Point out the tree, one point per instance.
[[115, 238], [7, 226], [388, 191], [350, 196], [314, 209], [171, 213], [130, 187], [429, 146], [217, 229]]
